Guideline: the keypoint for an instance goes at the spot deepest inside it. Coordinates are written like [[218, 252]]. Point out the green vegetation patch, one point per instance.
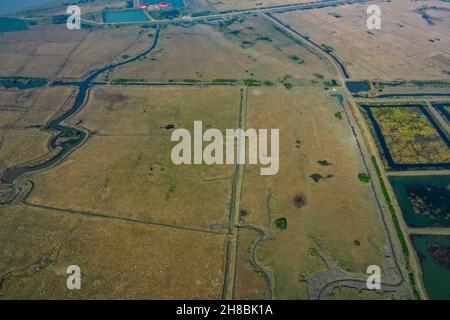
[[188, 81], [410, 136], [281, 223], [287, 85], [363, 177], [327, 48], [257, 83], [400, 234], [398, 229], [312, 252], [422, 83], [297, 59], [225, 81]]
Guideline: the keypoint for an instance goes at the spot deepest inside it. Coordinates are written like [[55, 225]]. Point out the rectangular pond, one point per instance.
[[434, 255], [424, 200], [357, 86], [175, 3], [124, 16]]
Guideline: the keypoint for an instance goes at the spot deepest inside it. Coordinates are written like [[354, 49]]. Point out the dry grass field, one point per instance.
[[22, 113], [20, 146], [141, 227], [12, 106], [103, 46], [118, 260], [123, 175], [324, 210], [407, 47], [125, 169], [223, 5], [249, 283], [55, 51], [245, 49]]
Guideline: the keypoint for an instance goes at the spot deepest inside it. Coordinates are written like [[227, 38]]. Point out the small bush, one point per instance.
[[363, 177], [281, 223]]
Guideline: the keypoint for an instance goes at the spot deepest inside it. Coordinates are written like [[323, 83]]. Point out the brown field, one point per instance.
[[103, 46], [20, 146], [248, 49], [125, 169], [118, 260], [249, 283], [55, 51], [12, 106], [309, 132], [22, 113], [406, 47], [141, 227], [47, 103], [21, 109], [29, 53], [221, 5]]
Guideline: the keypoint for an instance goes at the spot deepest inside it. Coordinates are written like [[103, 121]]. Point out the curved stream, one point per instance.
[[65, 137]]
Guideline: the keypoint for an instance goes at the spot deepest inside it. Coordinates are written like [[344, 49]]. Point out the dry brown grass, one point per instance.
[[22, 114], [118, 260], [400, 50], [249, 283], [337, 210], [20, 146], [103, 46], [55, 51], [205, 52], [221, 5], [125, 169]]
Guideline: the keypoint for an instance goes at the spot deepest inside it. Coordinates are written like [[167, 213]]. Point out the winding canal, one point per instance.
[[66, 137]]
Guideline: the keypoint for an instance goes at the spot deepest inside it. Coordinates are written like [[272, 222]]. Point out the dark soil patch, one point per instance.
[[243, 213], [299, 201], [116, 101]]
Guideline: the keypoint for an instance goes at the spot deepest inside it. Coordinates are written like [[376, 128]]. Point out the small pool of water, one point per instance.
[[357, 86]]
